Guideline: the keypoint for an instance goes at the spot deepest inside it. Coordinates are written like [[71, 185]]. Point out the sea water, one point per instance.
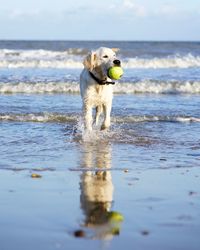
[[145, 166], [155, 107]]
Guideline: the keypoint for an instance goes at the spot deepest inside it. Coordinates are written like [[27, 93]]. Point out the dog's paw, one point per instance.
[[103, 127]]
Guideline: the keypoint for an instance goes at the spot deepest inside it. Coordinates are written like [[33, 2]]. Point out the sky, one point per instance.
[[100, 20]]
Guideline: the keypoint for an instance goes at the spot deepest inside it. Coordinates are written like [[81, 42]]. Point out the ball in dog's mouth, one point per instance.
[[115, 72]]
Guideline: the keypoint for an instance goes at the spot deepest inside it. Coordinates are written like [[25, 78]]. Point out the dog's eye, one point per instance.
[[105, 56]]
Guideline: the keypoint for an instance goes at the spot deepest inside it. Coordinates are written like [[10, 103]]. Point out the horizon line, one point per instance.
[[93, 40]]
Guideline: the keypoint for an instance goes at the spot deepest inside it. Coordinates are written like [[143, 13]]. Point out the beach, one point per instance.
[[160, 210], [135, 186]]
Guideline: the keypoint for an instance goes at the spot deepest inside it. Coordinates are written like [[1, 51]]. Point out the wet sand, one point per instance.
[[159, 208]]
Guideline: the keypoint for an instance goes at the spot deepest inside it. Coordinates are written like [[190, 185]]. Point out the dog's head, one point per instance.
[[98, 62]]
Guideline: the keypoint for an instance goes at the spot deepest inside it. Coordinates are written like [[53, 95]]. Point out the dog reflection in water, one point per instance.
[[97, 192]]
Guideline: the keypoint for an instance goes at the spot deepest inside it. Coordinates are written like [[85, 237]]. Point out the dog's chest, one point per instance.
[[99, 94]]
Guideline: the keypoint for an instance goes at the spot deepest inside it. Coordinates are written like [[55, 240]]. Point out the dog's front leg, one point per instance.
[[107, 110], [98, 113], [87, 110]]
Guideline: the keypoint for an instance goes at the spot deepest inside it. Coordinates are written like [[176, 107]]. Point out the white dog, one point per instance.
[[96, 87]]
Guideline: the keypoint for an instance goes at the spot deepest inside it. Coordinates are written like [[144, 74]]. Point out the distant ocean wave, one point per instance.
[[72, 58], [66, 118], [145, 86]]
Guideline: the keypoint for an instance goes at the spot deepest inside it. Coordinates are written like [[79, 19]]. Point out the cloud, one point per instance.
[[22, 14], [34, 15], [170, 11], [128, 9], [137, 9], [157, 9]]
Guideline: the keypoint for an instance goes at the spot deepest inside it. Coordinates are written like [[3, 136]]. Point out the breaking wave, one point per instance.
[[74, 118], [40, 117], [72, 58], [145, 86], [39, 88], [159, 87], [39, 59], [175, 61]]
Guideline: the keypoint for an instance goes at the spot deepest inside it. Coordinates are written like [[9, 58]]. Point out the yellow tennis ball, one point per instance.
[[115, 72], [114, 216]]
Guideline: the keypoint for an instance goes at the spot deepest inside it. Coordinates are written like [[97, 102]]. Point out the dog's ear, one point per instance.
[[115, 49], [90, 61]]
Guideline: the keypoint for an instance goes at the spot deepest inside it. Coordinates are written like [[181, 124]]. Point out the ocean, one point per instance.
[[155, 123], [156, 103]]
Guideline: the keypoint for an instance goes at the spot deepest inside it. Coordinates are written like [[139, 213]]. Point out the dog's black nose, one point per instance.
[[117, 62]]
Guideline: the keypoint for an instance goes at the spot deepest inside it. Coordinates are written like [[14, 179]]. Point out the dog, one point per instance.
[[96, 87]]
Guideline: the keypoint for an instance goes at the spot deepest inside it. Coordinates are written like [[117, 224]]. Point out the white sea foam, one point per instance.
[[73, 59], [40, 88], [146, 86], [68, 63], [76, 118], [39, 59], [175, 61], [167, 87], [133, 119], [41, 117]]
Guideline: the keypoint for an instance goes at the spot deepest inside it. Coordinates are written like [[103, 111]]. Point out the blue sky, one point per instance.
[[100, 20]]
